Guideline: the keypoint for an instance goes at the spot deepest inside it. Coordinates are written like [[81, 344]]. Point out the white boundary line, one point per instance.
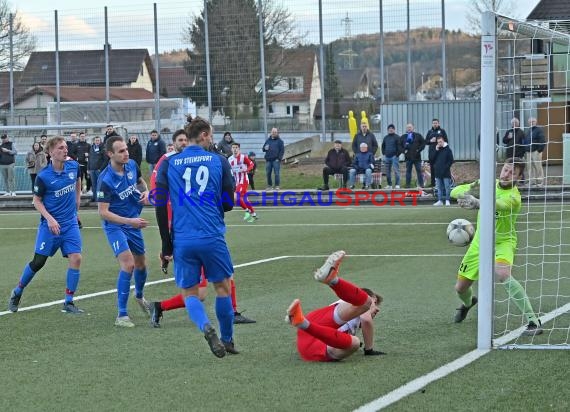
[[441, 372], [111, 291]]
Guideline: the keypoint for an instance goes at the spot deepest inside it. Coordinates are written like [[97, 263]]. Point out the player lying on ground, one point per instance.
[[507, 209], [328, 334]]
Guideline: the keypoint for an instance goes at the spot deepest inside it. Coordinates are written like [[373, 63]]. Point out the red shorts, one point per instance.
[[311, 348], [242, 188]]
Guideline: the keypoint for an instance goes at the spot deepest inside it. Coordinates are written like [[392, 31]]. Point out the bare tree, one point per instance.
[[476, 7], [23, 42]]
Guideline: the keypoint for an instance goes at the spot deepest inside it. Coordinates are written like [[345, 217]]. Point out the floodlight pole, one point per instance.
[[486, 226]]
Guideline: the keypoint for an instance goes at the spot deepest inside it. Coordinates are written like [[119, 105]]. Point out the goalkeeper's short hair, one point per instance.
[[518, 163]]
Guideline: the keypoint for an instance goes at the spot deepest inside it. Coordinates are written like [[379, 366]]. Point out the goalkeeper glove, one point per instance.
[[372, 352], [468, 202]]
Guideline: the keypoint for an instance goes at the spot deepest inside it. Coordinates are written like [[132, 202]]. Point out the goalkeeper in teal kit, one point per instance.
[[507, 209]]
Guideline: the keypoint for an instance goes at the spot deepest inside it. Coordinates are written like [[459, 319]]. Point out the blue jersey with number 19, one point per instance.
[[195, 180]]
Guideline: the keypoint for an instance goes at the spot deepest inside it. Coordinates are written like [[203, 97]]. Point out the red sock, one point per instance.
[[330, 336], [175, 302], [349, 292], [243, 204], [233, 294]]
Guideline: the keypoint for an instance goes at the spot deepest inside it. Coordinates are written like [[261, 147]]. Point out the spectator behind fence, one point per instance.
[[441, 160], [413, 144], [97, 161], [82, 148], [337, 161], [431, 140], [7, 161], [251, 173], [535, 143], [36, 160], [155, 148], [71, 145], [391, 150], [135, 149], [364, 136], [363, 164], [274, 150], [225, 145], [514, 140]]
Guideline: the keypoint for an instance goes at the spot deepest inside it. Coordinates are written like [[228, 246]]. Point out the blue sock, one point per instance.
[[27, 276], [123, 288], [196, 311], [225, 315], [71, 283], [140, 279]]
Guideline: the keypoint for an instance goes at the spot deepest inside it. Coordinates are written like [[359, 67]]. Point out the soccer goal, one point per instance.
[[525, 75]]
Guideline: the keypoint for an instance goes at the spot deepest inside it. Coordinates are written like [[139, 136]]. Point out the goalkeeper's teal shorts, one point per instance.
[[469, 268]]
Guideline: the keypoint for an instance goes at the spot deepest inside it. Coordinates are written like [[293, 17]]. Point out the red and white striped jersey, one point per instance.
[[240, 166]]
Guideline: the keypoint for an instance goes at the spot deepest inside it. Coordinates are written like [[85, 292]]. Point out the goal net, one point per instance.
[[531, 84]]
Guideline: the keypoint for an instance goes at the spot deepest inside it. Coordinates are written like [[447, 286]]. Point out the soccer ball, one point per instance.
[[460, 232]]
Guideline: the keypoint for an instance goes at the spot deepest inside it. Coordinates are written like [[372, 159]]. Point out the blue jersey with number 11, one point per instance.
[[194, 179]]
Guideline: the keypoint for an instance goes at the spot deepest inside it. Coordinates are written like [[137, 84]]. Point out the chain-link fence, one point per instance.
[[213, 61]]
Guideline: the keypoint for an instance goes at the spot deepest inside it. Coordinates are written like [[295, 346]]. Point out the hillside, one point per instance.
[[462, 55]]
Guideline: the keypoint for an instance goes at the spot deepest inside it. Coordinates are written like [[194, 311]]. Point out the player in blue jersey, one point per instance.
[[201, 189], [121, 193], [57, 191]]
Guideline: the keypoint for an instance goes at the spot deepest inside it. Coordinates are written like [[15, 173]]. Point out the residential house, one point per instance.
[[295, 85], [554, 115], [173, 79], [89, 104], [127, 68]]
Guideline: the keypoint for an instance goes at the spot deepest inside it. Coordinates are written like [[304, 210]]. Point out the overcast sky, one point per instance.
[[131, 21]]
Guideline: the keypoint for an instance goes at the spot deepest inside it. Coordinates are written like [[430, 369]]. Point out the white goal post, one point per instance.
[[525, 75]]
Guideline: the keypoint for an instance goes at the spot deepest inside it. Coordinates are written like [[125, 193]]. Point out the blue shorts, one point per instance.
[[191, 255], [123, 237], [68, 240]]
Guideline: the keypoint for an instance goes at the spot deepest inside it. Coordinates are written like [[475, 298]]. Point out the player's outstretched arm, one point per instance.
[[367, 326]]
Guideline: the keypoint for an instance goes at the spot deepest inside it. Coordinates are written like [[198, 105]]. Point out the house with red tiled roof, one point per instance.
[[173, 80], [295, 85], [127, 68]]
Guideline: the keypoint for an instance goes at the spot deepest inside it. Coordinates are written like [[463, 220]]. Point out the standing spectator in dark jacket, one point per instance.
[[431, 140], [71, 143], [155, 148], [109, 131], [225, 145], [96, 162], [363, 164], [413, 144], [82, 148], [135, 150], [274, 150], [364, 136], [251, 173], [337, 161], [7, 162], [514, 140], [442, 159], [535, 142], [391, 150]]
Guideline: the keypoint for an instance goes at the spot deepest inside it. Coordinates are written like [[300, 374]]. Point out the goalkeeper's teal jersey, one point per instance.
[[507, 209]]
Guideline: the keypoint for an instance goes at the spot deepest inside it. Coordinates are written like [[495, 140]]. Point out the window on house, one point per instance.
[[270, 108], [288, 110]]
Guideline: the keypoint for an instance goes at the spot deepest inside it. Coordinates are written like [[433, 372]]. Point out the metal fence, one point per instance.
[[214, 56], [247, 65]]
